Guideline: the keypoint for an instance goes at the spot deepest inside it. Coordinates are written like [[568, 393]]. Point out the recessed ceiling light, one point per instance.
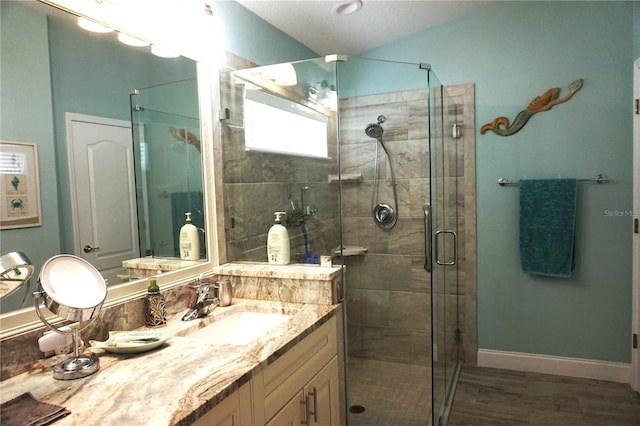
[[347, 7]]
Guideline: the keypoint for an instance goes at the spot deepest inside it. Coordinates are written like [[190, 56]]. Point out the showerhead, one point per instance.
[[374, 130]]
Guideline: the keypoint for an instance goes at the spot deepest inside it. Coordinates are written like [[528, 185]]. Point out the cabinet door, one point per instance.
[[234, 410], [322, 401], [290, 414]]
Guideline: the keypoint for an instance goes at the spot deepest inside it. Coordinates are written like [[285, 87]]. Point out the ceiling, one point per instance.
[[378, 22]]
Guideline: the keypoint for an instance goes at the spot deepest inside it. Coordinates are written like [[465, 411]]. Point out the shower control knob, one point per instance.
[[384, 216]]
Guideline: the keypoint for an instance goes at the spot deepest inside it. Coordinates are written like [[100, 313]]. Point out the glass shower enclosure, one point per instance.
[[400, 316], [383, 201]]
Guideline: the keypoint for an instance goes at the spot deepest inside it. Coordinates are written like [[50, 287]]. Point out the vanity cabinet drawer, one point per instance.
[[280, 382]]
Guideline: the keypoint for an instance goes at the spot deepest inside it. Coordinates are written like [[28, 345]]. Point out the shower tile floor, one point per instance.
[[392, 394]]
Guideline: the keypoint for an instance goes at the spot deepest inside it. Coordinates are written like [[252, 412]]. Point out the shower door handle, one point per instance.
[[455, 247], [427, 237]]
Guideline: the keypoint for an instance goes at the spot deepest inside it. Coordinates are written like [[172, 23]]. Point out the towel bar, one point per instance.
[[601, 178]]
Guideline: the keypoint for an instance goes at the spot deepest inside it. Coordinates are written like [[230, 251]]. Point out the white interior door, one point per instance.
[[103, 192], [635, 357]]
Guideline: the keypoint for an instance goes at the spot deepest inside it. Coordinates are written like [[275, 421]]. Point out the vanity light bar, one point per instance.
[[92, 26], [125, 38], [163, 52], [132, 41]]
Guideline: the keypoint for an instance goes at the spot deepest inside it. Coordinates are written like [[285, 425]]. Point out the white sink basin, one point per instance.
[[239, 328]]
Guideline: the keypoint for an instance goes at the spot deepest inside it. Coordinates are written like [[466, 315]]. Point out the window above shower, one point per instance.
[[286, 108], [276, 125]]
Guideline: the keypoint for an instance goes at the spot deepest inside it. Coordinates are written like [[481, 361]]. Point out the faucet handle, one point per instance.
[[199, 292]]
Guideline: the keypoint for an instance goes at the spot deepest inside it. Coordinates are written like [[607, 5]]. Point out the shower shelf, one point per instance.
[[350, 251], [346, 177]]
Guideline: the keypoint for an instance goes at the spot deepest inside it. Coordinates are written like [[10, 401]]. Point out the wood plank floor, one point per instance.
[[488, 396]]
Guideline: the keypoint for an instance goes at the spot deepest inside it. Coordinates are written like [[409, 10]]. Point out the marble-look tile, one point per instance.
[[375, 303], [149, 266], [407, 237], [420, 278], [19, 352], [386, 272], [410, 310], [419, 197], [393, 344]]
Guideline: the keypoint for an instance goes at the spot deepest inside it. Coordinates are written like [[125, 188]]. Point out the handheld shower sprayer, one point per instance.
[[384, 215]]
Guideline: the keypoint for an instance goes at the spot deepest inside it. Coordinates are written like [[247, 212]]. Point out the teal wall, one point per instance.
[[513, 52], [25, 115], [636, 29], [250, 37]]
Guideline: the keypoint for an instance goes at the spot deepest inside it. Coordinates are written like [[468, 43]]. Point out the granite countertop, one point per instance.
[[174, 384]]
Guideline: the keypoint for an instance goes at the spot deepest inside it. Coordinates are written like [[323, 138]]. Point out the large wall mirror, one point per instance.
[[67, 90]]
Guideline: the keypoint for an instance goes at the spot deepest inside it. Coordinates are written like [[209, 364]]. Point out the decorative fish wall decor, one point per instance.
[[185, 136], [500, 126]]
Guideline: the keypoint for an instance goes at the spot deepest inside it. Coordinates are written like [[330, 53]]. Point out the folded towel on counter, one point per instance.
[[547, 226], [25, 410]]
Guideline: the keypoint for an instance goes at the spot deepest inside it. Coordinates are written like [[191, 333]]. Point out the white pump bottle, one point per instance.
[[278, 250], [189, 240]]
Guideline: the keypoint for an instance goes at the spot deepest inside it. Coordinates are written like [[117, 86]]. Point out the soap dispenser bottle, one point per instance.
[[155, 307], [189, 240], [278, 250]]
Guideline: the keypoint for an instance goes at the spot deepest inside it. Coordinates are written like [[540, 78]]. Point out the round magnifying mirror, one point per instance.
[[74, 289], [15, 270]]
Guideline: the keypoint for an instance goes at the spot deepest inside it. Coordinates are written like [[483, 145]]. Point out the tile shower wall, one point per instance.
[[258, 184], [388, 290]]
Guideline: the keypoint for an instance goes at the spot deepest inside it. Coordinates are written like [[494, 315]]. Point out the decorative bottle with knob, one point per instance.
[[155, 307]]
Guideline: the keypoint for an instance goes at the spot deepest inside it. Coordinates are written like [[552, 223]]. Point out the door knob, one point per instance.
[[89, 249]]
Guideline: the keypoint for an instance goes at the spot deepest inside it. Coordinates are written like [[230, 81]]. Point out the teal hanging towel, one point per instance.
[[547, 226]]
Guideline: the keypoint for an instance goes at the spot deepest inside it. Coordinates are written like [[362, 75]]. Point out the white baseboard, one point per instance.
[[574, 367]]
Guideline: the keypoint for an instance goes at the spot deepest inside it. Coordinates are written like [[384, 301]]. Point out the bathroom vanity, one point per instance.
[[300, 387], [290, 372]]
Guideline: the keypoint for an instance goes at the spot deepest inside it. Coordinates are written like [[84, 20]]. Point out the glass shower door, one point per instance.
[[445, 219], [384, 128]]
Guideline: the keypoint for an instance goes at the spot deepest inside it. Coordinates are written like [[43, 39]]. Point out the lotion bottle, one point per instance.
[[278, 250], [189, 240]]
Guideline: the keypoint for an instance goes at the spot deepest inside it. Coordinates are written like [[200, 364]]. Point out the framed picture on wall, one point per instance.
[[19, 185]]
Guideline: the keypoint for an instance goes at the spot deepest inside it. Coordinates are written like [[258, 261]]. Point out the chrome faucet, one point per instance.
[[201, 303]]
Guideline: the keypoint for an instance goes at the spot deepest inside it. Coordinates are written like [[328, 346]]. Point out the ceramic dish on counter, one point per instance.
[[129, 342]]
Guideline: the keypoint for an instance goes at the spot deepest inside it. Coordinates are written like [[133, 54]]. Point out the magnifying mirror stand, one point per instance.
[[81, 365], [74, 290]]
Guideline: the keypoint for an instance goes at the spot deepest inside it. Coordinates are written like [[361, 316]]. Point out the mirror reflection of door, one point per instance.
[[101, 167]]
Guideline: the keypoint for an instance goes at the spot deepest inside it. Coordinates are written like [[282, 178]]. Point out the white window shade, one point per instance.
[[276, 125]]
